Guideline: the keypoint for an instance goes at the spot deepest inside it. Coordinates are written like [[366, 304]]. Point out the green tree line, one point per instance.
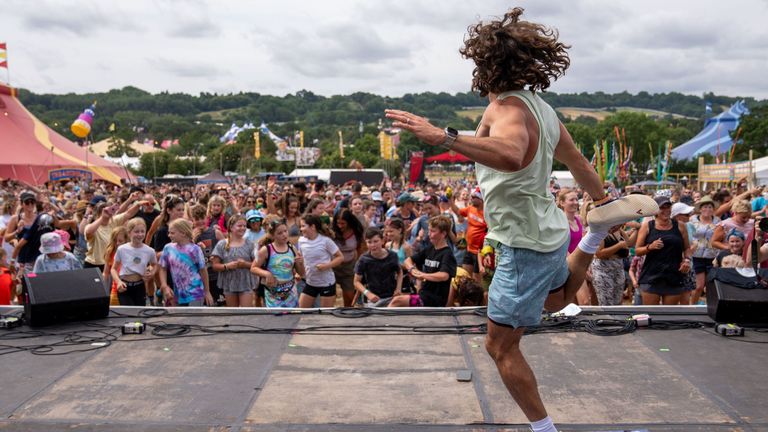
[[198, 122]]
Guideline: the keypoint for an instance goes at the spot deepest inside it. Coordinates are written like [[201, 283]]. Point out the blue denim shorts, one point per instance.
[[522, 281]]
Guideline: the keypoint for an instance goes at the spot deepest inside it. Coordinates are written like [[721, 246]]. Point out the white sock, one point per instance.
[[543, 425], [590, 243]]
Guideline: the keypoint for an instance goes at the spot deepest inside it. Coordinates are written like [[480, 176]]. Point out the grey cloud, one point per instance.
[[673, 34], [82, 21], [186, 69], [336, 50], [202, 28]]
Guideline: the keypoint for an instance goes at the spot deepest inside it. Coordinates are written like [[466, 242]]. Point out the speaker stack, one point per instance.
[[729, 302], [53, 297]]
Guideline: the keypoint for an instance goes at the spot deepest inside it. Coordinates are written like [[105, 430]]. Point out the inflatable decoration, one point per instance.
[[82, 126]]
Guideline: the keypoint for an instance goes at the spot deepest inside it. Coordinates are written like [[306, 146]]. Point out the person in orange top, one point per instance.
[[476, 229]]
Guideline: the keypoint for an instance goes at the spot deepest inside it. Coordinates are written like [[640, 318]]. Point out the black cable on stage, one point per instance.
[[100, 335]]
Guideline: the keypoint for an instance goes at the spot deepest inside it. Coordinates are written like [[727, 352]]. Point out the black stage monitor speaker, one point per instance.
[[729, 303], [61, 296]]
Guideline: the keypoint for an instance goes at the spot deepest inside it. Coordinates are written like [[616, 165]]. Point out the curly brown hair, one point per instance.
[[511, 54]]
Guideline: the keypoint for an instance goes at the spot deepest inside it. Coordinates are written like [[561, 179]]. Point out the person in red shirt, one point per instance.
[[6, 279], [476, 229]]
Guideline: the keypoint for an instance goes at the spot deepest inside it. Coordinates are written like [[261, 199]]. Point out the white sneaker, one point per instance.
[[622, 210]]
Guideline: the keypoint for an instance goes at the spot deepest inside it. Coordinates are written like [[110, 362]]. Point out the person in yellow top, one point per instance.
[[108, 216], [516, 141]]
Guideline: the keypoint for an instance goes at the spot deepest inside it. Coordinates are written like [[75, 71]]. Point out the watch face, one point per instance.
[[451, 131]]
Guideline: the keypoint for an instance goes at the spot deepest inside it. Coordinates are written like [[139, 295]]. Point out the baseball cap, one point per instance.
[[662, 200], [253, 215], [97, 199], [406, 197], [27, 195], [376, 196], [681, 208], [477, 193]]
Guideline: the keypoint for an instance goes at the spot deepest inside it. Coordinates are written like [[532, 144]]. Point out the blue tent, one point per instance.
[[715, 135]]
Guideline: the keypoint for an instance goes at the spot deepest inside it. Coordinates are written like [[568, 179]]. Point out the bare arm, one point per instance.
[[10, 230], [583, 172], [640, 247], [718, 238], [503, 149], [92, 227]]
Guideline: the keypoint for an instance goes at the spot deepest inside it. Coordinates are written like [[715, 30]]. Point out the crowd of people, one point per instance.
[[308, 245]]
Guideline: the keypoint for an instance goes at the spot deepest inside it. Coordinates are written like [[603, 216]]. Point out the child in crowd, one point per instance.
[[433, 268], [255, 230], [216, 213], [117, 238], [207, 237], [378, 275], [134, 264], [395, 235], [232, 258], [53, 257], [466, 291], [276, 264], [185, 262], [321, 255]]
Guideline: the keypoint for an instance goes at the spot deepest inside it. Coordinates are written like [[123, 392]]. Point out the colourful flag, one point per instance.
[[112, 127], [3, 55], [341, 145], [256, 145]]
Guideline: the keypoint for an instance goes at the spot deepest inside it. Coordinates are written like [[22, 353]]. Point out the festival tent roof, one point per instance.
[[31, 149], [214, 176], [448, 157], [715, 137], [100, 148]]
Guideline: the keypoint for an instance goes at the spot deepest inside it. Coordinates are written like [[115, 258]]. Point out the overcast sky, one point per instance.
[[385, 47]]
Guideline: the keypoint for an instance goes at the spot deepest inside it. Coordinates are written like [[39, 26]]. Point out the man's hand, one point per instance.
[[419, 126]]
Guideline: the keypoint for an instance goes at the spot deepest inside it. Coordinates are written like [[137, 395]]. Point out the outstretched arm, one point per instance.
[[583, 172]]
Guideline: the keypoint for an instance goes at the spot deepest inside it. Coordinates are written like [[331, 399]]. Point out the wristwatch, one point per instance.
[[450, 137]]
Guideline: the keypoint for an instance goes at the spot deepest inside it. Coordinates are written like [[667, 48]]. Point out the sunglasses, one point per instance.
[[30, 201], [250, 202]]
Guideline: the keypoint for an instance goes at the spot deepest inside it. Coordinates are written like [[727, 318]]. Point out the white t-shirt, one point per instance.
[[318, 251], [134, 260], [4, 219]]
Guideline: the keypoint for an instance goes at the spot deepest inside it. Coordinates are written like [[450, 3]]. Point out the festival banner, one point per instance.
[[70, 173], [3, 55], [341, 146], [307, 156], [256, 145], [417, 167]]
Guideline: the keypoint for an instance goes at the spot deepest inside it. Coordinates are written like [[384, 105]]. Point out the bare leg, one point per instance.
[[400, 301], [650, 299], [700, 280], [246, 299], [503, 344], [349, 297], [233, 300], [685, 298], [328, 302], [578, 263], [671, 300], [306, 301]]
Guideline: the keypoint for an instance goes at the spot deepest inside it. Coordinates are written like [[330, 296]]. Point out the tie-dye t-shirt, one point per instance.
[[184, 264], [284, 294]]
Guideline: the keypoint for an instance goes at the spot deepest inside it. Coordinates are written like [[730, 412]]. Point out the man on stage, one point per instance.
[[514, 146]]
